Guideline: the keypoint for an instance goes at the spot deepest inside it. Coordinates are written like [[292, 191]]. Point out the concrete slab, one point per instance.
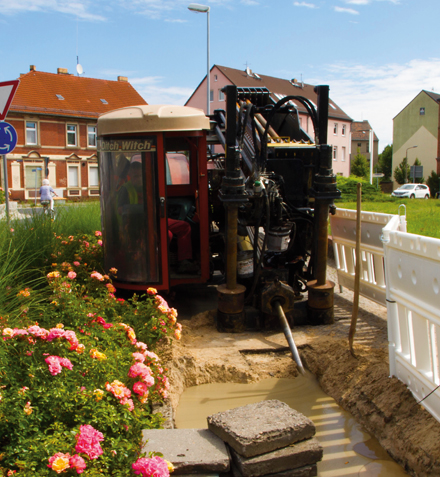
[[306, 471], [261, 427], [301, 454], [189, 450]]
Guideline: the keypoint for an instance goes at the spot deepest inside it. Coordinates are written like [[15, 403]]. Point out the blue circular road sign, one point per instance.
[[8, 137]]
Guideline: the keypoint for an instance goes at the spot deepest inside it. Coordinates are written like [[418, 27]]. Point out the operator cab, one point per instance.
[[154, 195]]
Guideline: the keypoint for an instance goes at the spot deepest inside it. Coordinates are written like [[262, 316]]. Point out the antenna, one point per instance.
[[79, 69]]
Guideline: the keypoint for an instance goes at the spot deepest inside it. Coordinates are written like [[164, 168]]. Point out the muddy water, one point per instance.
[[348, 451]]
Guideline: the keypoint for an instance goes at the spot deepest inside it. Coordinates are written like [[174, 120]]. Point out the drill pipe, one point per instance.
[[288, 334]]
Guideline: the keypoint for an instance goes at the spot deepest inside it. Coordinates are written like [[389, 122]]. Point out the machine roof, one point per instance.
[[64, 94], [152, 118]]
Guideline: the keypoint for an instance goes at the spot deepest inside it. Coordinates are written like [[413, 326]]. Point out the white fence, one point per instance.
[[412, 264], [372, 280]]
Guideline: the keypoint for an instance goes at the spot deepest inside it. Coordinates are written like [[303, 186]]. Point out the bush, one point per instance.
[[348, 188], [78, 371]]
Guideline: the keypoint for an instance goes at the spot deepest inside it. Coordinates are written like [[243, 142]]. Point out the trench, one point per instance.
[[374, 422], [348, 450]]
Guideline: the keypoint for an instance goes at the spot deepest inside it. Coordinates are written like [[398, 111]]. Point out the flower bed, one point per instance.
[[78, 372]]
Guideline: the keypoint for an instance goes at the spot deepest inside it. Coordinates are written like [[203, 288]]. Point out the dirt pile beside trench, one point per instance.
[[361, 385]]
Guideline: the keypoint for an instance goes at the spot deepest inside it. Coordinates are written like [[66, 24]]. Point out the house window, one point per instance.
[[221, 95], [335, 153], [215, 77], [211, 95], [93, 176], [91, 136], [422, 111], [71, 135], [73, 176], [335, 129], [343, 154], [359, 144], [343, 130], [31, 133]]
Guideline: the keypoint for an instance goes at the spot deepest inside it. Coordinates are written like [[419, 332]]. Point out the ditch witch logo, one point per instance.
[[138, 145]]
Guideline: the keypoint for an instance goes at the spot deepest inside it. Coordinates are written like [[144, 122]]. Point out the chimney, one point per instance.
[[32, 68], [123, 78], [62, 71]]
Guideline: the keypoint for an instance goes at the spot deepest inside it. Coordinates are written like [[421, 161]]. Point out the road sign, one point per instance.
[[8, 137], [7, 92]]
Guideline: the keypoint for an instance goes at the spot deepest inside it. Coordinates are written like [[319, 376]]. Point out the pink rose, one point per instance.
[[78, 463], [71, 275]]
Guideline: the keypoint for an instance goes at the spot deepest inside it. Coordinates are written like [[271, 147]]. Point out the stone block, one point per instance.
[[191, 451], [306, 471], [261, 427], [302, 454]]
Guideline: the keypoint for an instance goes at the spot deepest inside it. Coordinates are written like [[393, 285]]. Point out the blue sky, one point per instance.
[[376, 55]]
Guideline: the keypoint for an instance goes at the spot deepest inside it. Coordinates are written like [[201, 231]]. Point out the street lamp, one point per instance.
[[195, 7], [406, 162]]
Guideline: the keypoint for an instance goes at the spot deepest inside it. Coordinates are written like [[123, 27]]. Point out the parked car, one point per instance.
[[413, 191]]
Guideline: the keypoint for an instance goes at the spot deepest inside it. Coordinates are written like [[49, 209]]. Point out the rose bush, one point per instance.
[[79, 372]]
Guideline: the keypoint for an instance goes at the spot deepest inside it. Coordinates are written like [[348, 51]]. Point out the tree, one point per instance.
[[385, 162], [433, 183], [399, 172], [360, 166]]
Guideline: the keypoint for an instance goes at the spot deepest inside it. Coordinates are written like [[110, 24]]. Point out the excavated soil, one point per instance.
[[360, 385]]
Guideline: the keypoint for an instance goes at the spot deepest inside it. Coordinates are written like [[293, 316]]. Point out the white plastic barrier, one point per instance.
[[412, 264], [372, 279]]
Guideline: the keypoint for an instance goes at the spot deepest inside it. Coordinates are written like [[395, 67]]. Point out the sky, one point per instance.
[[376, 55]]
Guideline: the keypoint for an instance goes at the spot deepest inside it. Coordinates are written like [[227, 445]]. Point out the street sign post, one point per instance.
[[8, 133]]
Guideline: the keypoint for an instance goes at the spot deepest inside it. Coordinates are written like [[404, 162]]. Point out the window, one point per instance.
[[335, 129], [93, 176], [31, 133], [335, 153], [73, 176], [215, 77], [91, 136], [343, 154], [211, 95], [359, 144], [422, 111], [343, 130], [221, 95], [71, 135]]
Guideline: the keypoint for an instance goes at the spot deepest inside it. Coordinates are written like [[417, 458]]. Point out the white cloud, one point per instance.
[[379, 93], [249, 2], [358, 2], [346, 10], [79, 9], [304, 4], [152, 90]]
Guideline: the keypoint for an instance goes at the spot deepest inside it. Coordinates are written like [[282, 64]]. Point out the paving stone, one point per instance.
[[191, 451], [301, 454], [306, 471], [261, 427]]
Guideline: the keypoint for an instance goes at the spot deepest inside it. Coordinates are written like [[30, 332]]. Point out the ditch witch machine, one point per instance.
[[254, 188]]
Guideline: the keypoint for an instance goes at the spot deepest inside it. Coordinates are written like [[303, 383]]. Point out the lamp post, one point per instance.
[[406, 163], [195, 7]]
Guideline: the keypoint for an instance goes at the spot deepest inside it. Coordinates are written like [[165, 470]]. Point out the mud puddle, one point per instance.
[[348, 450]]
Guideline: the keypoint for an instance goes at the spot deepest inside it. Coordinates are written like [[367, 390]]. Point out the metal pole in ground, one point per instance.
[[5, 169], [357, 271]]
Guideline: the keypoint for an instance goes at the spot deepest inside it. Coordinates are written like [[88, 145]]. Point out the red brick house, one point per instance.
[[55, 118]]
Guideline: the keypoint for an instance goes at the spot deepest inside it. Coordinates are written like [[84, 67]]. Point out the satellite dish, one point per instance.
[[79, 69]]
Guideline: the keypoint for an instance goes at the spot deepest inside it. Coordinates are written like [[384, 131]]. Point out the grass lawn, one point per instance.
[[423, 216]]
